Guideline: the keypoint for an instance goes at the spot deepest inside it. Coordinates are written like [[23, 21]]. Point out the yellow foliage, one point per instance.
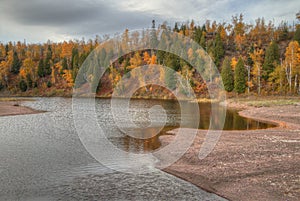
[[4, 70], [66, 50], [233, 63], [239, 40], [223, 33], [56, 68], [28, 67], [135, 61], [292, 55], [68, 77]]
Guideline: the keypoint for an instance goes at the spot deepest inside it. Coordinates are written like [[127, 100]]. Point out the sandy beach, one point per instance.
[[14, 108], [248, 165]]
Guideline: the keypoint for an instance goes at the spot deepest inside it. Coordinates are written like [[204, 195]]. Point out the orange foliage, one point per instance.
[[153, 59], [146, 57], [68, 77]]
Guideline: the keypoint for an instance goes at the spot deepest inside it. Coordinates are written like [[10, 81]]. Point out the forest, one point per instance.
[[258, 59]]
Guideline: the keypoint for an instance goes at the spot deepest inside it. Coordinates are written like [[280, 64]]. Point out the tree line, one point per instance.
[[258, 58]]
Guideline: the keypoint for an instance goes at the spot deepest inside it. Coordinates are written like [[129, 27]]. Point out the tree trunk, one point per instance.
[[258, 77], [295, 86]]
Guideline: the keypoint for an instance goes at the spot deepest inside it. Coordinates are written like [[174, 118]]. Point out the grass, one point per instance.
[[269, 103], [6, 99], [206, 100]]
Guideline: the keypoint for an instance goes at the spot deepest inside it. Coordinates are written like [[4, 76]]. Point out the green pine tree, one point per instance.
[[227, 75], [203, 41], [29, 80], [16, 64], [271, 59], [75, 58], [23, 85], [41, 70], [170, 79], [47, 64], [297, 35], [64, 65], [197, 34], [218, 50], [240, 77], [1, 85]]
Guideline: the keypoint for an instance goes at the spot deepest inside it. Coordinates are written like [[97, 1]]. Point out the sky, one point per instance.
[[58, 20]]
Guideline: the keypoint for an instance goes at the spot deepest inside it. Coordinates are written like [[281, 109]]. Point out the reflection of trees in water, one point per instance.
[[232, 122], [131, 144]]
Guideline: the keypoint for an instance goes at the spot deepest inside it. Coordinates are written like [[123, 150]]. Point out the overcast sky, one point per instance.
[[57, 20]]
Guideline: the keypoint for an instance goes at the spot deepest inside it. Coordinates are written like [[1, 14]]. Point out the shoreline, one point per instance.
[[12, 107], [248, 165]]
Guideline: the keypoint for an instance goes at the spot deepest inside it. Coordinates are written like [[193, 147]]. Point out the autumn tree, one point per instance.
[[278, 79], [239, 30], [240, 77], [292, 64], [257, 58], [28, 70]]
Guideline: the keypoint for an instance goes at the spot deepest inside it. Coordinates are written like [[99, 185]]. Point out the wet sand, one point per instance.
[[248, 165]]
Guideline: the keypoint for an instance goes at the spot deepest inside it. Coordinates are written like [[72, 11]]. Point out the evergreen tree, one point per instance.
[[49, 84], [297, 35], [41, 70], [23, 85], [47, 64], [29, 80], [197, 34], [271, 59], [153, 36], [240, 77], [6, 49], [227, 75], [218, 50], [170, 79], [203, 41], [64, 64], [176, 27], [1, 85], [172, 61], [75, 58], [16, 64]]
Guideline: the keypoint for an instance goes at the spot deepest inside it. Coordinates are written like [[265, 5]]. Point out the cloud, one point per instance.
[[38, 20], [68, 18]]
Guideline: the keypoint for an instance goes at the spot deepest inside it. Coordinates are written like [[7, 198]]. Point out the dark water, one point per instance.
[[42, 158]]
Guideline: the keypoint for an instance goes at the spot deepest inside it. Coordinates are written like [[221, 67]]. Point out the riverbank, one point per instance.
[[11, 106], [249, 165]]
